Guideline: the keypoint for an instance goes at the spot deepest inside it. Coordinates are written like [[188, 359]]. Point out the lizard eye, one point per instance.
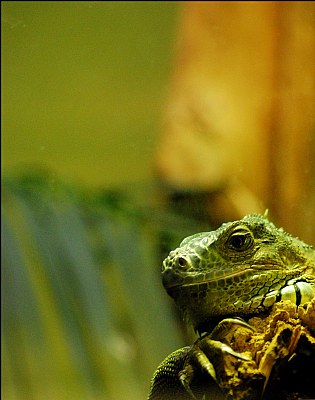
[[240, 241]]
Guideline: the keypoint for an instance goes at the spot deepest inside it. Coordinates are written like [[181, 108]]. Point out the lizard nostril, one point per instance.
[[182, 262]]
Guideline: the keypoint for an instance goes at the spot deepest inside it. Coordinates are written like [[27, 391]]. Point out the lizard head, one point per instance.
[[241, 268]]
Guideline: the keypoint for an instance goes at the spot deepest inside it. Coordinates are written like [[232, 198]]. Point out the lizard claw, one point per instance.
[[198, 362], [228, 326]]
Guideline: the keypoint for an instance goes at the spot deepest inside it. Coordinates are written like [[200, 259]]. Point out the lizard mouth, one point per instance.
[[172, 280]]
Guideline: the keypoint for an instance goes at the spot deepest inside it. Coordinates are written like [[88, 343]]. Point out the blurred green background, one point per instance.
[[84, 314], [84, 85]]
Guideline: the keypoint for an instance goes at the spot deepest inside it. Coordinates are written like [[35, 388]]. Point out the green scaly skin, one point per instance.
[[241, 269]]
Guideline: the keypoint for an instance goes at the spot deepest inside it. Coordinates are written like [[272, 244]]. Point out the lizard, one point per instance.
[[241, 269]]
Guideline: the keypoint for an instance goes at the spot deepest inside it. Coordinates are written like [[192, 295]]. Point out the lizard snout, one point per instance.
[[171, 278]]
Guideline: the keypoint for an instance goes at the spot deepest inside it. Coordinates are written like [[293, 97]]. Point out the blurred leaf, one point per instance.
[[83, 304]]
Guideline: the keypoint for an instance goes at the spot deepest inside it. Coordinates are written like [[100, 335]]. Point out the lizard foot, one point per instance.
[[207, 356]]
